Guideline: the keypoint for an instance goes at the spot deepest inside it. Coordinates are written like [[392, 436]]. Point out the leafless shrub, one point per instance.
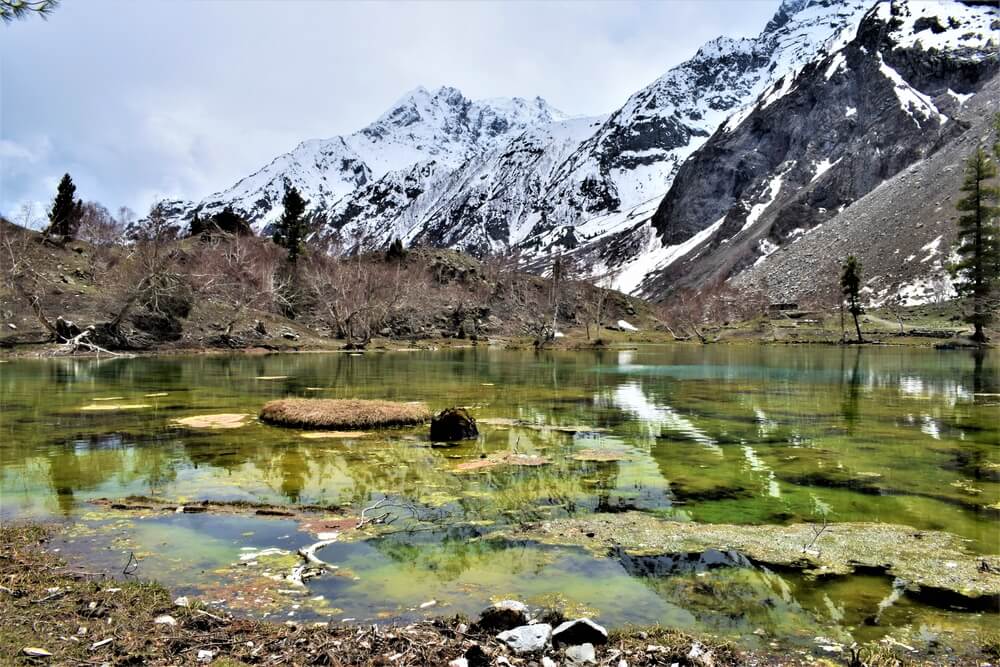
[[355, 296], [237, 275]]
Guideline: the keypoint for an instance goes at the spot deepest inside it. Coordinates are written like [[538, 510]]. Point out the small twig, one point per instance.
[[132, 563]]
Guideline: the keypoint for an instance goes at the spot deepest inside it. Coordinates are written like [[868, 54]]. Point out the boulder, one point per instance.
[[580, 631], [503, 615], [527, 639], [475, 656], [453, 424]]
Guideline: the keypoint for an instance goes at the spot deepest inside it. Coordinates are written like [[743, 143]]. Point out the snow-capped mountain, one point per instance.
[[725, 158], [439, 129], [815, 143], [492, 174]]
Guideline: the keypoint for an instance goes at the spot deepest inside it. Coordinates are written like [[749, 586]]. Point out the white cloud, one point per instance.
[[184, 98]]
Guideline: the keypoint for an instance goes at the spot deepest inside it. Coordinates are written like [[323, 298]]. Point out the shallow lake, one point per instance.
[[720, 434]]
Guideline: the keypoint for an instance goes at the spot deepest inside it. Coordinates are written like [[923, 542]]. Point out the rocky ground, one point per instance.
[[56, 615]]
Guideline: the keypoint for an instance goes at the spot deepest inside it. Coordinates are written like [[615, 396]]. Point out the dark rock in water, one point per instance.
[[580, 631], [527, 639], [453, 424], [503, 615]]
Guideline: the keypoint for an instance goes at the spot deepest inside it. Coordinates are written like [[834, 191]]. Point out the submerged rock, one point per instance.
[[580, 631], [503, 615], [453, 424], [527, 639]]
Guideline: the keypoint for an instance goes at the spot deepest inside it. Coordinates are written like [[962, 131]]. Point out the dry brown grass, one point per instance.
[[345, 414]]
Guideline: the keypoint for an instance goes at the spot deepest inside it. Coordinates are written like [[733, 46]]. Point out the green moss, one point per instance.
[[926, 560]]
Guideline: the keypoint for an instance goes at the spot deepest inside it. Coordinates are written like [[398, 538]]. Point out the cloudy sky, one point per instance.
[[147, 99]]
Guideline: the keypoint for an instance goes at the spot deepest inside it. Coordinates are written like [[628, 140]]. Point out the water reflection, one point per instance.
[[715, 433]]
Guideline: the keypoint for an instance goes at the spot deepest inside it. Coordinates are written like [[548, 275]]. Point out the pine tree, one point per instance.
[[197, 227], [229, 221], [396, 251], [850, 284], [290, 230], [64, 218], [976, 272], [19, 9]]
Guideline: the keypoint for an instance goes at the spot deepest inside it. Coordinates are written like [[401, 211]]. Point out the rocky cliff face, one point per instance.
[[816, 142]]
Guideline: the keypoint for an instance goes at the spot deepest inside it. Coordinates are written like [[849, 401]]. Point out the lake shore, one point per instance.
[[573, 340], [56, 615]]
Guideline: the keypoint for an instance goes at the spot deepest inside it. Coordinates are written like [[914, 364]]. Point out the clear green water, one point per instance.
[[729, 434]]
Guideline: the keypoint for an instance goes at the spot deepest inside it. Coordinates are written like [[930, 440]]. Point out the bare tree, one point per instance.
[[238, 275], [356, 295]]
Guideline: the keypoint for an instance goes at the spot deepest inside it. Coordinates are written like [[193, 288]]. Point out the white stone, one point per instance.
[[583, 654], [459, 662], [182, 602], [527, 638], [205, 655], [625, 326], [165, 619]]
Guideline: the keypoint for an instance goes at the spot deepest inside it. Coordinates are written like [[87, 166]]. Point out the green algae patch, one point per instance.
[[928, 562], [342, 414]]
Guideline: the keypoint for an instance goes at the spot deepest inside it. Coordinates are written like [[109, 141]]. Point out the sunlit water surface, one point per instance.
[[745, 435]]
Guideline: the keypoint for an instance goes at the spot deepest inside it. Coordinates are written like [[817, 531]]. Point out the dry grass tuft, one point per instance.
[[342, 414]]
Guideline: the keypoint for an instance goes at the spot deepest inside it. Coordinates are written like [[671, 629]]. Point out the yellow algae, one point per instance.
[[156, 394], [528, 460], [224, 420], [600, 455], [111, 408], [109, 398], [271, 377]]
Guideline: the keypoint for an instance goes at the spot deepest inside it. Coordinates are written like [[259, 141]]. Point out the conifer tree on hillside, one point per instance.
[[850, 284], [230, 222], [976, 272], [64, 218], [290, 230]]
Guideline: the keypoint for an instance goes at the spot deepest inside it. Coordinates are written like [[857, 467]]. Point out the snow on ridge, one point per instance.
[[658, 256], [824, 166], [911, 100]]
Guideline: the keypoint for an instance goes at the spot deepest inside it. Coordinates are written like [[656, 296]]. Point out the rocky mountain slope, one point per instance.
[[913, 80]]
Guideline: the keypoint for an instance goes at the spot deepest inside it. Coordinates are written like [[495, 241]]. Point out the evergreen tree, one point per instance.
[[396, 250], [291, 228], [850, 284], [197, 226], [230, 222], [19, 9], [64, 218], [976, 272]]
